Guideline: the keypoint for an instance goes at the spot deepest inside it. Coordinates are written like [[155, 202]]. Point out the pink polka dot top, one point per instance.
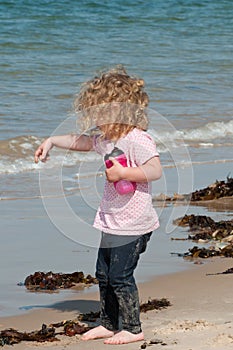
[[132, 213]]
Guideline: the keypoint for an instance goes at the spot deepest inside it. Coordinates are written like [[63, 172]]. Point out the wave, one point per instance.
[[17, 154], [202, 135]]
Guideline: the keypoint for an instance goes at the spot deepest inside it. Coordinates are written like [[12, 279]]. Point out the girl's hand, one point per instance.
[[149, 171], [116, 172], [70, 142], [42, 151]]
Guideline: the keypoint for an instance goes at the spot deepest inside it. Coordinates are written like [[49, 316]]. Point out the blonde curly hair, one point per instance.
[[114, 102]]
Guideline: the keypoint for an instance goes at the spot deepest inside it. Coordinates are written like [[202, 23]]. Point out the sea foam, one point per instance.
[[17, 155]]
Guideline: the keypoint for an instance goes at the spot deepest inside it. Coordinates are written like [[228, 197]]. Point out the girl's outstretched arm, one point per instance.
[[71, 142], [149, 171]]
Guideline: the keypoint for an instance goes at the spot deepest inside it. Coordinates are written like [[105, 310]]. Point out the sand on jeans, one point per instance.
[[201, 315]]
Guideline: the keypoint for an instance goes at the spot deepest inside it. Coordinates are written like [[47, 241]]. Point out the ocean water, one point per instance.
[[181, 48]]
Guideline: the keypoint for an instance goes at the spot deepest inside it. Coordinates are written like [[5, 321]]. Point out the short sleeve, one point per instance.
[[144, 148], [101, 145]]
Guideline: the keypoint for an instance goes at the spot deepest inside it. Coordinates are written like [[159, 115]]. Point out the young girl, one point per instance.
[[115, 103]]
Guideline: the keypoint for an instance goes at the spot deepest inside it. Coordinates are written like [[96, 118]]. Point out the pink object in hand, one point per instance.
[[122, 186]]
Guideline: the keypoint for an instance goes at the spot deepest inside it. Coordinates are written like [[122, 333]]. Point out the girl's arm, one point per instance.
[[71, 142], [149, 171]]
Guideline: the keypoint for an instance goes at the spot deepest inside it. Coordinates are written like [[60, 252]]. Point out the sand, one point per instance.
[[220, 204], [201, 315]]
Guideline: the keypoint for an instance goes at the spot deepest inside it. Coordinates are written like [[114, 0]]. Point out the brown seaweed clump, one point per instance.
[[71, 327], [11, 336], [205, 228], [201, 252], [45, 334], [155, 304], [49, 281], [217, 190]]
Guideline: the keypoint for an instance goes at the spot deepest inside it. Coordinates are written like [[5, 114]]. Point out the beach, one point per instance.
[[183, 51], [200, 316], [201, 311], [56, 234]]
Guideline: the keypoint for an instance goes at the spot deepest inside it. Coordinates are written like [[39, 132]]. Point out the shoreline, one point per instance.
[[201, 305]]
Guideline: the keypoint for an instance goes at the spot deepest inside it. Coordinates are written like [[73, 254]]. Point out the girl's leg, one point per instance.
[[124, 260], [109, 308], [115, 267]]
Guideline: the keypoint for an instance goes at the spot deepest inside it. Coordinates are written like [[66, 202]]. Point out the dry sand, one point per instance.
[[201, 315]]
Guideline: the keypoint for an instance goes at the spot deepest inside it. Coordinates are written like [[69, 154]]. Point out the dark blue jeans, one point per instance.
[[117, 259]]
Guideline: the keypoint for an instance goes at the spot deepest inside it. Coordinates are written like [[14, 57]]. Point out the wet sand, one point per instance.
[[201, 315], [221, 204], [30, 242]]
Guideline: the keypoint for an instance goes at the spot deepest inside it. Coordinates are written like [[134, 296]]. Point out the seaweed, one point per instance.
[[216, 190], [49, 281], [205, 228], [152, 342], [155, 304], [11, 336]]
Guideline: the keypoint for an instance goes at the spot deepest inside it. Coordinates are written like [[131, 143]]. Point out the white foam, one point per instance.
[[218, 132], [26, 145], [203, 144], [7, 166], [209, 131]]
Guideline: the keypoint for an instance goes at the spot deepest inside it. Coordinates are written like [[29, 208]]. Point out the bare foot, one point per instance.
[[124, 337], [97, 333]]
